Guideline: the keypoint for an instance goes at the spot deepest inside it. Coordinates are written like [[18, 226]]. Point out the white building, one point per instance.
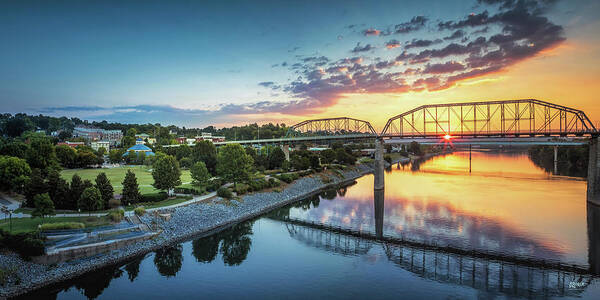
[[100, 144]]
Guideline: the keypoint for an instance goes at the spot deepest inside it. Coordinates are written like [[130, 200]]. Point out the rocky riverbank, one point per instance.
[[186, 222]]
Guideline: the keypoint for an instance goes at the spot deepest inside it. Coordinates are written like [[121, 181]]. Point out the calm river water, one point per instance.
[[507, 230]]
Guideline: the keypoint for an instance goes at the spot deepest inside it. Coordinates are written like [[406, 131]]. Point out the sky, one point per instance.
[[200, 63]]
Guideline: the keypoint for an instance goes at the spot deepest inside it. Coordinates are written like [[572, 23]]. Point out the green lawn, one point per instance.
[[31, 224], [116, 176]]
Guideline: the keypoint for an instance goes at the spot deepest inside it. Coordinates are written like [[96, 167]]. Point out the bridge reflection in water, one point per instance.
[[489, 272]]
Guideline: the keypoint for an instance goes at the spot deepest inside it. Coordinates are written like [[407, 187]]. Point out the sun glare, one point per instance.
[[447, 137]]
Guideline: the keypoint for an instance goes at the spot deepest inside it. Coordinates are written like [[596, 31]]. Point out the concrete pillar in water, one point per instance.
[[378, 197], [286, 151], [379, 165], [555, 160], [593, 178]]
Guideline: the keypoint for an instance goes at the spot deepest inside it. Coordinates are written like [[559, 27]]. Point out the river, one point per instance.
[[508, 229]]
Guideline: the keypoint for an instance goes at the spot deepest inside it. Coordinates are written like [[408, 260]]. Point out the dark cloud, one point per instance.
[[455, 35], [414, 24], [422, 43], [447, 67], [471, 21], [360, 48], [266, 83], [392, 44]]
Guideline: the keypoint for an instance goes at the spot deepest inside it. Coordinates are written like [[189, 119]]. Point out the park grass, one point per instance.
[[31, 224], [116, 176], [167, 202]]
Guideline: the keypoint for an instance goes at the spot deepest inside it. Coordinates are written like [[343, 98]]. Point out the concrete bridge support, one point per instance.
[[378, 200], [286, 151], [555, 160], [593, 179], [379, 183]]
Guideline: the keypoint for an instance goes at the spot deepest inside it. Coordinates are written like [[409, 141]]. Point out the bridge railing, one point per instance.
[[331, 126], [525, 117]]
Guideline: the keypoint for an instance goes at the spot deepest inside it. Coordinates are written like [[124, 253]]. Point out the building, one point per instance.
[[181, 140], [100, 144], [139, 149], [96, 134], [71, 144], [207, 136], [139, 141]]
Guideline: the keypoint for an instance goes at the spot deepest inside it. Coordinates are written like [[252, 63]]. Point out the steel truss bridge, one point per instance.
[[487, 272], [505, 121]]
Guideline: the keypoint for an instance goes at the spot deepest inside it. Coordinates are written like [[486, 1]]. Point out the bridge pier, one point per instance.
[[379, 183], [378, 199], [286, 151], [555, 160], [593, 179], [593, 228]]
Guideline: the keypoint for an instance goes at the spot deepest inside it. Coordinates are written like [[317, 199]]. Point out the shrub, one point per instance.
[[241, 188], [258, 185], [25, 244], [287, 178], [224, 192], [274, 182], [139, 211], [214, 184], [61, 225], [277, 190], [116, 215], [189, 191], [114, 203], [155, 197]]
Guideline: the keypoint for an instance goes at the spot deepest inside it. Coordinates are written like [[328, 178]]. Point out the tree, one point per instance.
[[15, 148], [276, 158], [299, 162], [105, 188], [233, 164], [90, 200], [414, 148], [328, 156], [101, 151], [43, 206], [64, 134], [183, 151], [41, 154], [131, 192], [200, 174], [17, 124], [166, 173], [86, 158], [35, 186], [14, 173], [77, 188], [58, 190], [207, 152], [115, 156], [185, 163], [66, 156]]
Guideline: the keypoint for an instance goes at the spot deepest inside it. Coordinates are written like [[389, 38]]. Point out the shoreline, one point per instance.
[[251, 206]]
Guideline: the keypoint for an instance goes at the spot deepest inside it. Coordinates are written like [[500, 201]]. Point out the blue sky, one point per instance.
[[219, 62]]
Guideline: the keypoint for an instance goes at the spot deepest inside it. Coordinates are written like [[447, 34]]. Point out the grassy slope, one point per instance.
[[116, 176], [31, 224]]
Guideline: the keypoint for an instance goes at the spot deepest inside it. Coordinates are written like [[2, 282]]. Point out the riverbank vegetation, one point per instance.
[[572, 160]]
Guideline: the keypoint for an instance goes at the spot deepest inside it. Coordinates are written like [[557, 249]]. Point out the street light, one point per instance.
[[8, 212]]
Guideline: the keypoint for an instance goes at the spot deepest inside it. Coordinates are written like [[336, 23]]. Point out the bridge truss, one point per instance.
[[332, 126], [508, 118]]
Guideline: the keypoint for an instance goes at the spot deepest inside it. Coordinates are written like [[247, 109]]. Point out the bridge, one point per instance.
[[505, 122]]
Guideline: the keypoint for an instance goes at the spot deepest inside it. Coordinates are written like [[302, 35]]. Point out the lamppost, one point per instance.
[[8, 212]]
